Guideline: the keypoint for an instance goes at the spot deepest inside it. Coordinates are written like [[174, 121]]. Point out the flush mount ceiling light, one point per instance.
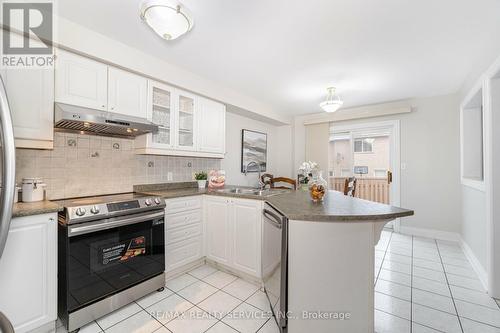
[[332, 102], [168, 18]]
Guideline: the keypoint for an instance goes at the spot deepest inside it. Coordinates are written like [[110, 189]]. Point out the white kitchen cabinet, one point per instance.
[[211, 126], [81, 81], [160, 111], [185, 115], [183, 232], [246, 219], [127, 93], [33, 117], [233, 233], [218, 229], [29, 267]]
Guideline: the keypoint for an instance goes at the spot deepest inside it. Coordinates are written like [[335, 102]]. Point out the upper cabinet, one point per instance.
[[189, 125], [160, 111], [33, 116], [81, 81], [186, 116], [127, 93], [211, 126]]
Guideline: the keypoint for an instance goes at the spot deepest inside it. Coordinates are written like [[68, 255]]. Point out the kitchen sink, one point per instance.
[[251, 191]]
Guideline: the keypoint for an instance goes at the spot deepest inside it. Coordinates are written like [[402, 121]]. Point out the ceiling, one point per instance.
[[285, 53]]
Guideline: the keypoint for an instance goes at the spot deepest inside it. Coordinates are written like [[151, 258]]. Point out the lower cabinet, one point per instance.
[[28, 287], [233, 233], [183, 232]]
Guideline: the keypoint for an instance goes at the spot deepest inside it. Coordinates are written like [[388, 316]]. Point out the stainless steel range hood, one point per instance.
[[90, 121]]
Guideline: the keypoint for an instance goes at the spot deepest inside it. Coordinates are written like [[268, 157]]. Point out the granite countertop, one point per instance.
[[35, 208], [336, 207], [297, 205]]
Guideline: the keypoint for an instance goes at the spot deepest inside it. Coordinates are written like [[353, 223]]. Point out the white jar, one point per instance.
[[33, 189]]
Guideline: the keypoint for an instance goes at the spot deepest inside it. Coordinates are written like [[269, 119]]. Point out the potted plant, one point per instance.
[[201, 177]]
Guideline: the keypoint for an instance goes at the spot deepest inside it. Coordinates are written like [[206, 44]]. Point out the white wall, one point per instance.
[[430, 184], [279, 149], [474, 224]]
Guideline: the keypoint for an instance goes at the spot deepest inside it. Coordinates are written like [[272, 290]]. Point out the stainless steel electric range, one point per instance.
[[111, 252]]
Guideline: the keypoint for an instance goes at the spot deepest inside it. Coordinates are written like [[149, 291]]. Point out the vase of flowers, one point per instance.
[[201, 177], [305, 173]]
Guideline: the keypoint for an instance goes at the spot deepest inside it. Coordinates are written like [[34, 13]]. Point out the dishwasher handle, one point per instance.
[[272, 218]]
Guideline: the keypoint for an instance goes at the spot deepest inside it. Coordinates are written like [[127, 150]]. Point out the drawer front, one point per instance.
[[183, 253], [183, 219], [182, 204], [180, 234]]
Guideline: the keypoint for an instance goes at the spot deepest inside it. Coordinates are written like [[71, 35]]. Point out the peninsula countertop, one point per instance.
[[297, 205]]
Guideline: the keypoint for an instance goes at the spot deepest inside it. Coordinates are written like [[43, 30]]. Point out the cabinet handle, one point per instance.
[[104, 106], [51, 219]]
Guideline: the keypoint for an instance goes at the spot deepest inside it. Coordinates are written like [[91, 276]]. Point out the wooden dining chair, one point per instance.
[[289, 181], [267, 180], [350, 186]]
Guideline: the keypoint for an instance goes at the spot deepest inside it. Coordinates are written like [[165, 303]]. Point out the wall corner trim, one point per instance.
[[476, 265]]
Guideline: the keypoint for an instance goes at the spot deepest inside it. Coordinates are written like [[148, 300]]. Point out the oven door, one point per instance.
[[107, 256]]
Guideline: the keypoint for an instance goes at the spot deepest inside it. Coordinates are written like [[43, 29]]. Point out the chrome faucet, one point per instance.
[[245, 171]]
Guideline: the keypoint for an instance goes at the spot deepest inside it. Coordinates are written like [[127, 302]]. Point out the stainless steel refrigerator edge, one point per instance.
[[7, 145], [275, 263]]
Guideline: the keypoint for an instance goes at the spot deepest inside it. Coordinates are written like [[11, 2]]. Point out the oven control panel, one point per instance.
[[104, 210]]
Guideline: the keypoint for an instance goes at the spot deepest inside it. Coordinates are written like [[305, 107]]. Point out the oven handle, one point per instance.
[[111, 223]]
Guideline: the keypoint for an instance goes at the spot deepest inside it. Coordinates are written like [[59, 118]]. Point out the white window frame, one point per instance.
[[363, 151]]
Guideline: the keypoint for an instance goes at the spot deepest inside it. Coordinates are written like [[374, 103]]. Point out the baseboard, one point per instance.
[[431, 233], [476, 265]]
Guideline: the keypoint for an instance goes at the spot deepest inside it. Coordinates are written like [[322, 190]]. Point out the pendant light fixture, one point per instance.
[[168, 18], [332, 102]]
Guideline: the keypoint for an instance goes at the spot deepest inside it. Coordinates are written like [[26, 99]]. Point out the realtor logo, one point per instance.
[[35, 21]]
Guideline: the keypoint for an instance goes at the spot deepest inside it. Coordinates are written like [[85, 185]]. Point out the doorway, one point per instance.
[[371, 153]]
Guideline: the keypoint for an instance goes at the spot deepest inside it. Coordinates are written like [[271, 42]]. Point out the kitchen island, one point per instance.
[[330, 254], [331, 260]]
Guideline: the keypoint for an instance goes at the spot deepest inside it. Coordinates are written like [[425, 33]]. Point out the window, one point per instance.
[[363, 145]]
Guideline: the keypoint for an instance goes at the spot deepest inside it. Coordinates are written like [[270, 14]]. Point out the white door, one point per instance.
[[246, 219], [218, 229], [127, 93], [81, 81], [370, 152], [161, 112], [29, 268], [211, 126], [185, 134]]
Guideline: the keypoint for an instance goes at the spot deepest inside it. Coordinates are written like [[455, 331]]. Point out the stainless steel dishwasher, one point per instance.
[[274, 262]]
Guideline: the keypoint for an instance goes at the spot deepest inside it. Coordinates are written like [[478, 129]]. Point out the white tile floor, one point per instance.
[[421, 286], [427, 285]]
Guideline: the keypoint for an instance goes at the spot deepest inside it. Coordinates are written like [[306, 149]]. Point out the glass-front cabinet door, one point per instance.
[[185, 132], [161, 113]]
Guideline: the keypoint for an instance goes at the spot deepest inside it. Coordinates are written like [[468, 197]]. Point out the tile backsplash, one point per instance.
[[82, 165]]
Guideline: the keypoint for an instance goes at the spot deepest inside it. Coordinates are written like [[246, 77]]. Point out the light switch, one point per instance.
[[403, 166], [170, 177]]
